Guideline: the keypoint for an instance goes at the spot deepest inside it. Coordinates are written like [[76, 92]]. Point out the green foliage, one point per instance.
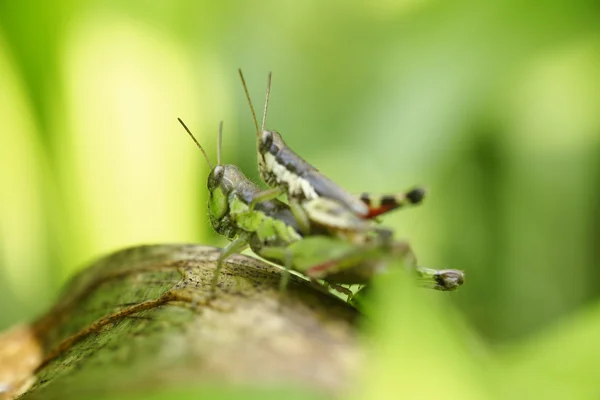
[[215, 393], [494, 106]]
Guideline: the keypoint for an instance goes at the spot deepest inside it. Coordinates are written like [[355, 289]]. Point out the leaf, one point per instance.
[[142, 321]]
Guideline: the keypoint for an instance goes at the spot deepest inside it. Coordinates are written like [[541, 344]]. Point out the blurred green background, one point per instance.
[[493, 106]]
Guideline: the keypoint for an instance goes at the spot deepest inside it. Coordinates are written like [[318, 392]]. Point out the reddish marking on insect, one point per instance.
[[383, 204], [315, 272], [377, 211]]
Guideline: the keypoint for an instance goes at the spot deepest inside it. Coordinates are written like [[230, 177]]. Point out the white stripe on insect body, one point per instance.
[[297, 186]]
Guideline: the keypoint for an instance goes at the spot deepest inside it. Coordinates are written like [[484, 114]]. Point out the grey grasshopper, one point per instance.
[[287, 172], [271, 230]]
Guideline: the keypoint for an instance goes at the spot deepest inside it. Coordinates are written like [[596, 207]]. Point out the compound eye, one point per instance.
[[215, 178], [218, 172], [266, 140]]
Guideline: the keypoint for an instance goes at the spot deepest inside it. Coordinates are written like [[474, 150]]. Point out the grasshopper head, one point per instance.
[[268, 145], [270, 141], [217, 194], [277, 164], [222, 181]]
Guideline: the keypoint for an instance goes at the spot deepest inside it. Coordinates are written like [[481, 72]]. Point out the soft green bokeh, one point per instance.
[[493, 106]]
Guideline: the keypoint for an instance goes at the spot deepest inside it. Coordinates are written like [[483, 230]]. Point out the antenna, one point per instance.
[[249, 102], [266, 102], [197, 144], [220, 140]]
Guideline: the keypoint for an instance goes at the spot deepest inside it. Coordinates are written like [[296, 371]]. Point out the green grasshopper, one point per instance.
[[271, 230], [287, 172]]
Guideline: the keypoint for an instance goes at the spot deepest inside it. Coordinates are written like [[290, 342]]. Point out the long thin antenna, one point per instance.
[[220, 140], [195, 141], [266, 102], [249, 102]]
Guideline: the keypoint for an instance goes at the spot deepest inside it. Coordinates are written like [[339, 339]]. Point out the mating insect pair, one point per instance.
[[325, 232]]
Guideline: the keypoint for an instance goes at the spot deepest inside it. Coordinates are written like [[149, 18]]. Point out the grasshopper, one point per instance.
[[271, 230], [287, 172]]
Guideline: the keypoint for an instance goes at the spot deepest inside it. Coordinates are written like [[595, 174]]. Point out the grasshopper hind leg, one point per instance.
[[382, 204], [440, 279], [265, 195], [285, 275], [343, 290], [324, 286], [282, 256]]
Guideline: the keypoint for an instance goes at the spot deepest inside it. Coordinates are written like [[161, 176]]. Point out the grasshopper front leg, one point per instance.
[[236, 246], [265, 195], [298, 211], [360, 264]]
